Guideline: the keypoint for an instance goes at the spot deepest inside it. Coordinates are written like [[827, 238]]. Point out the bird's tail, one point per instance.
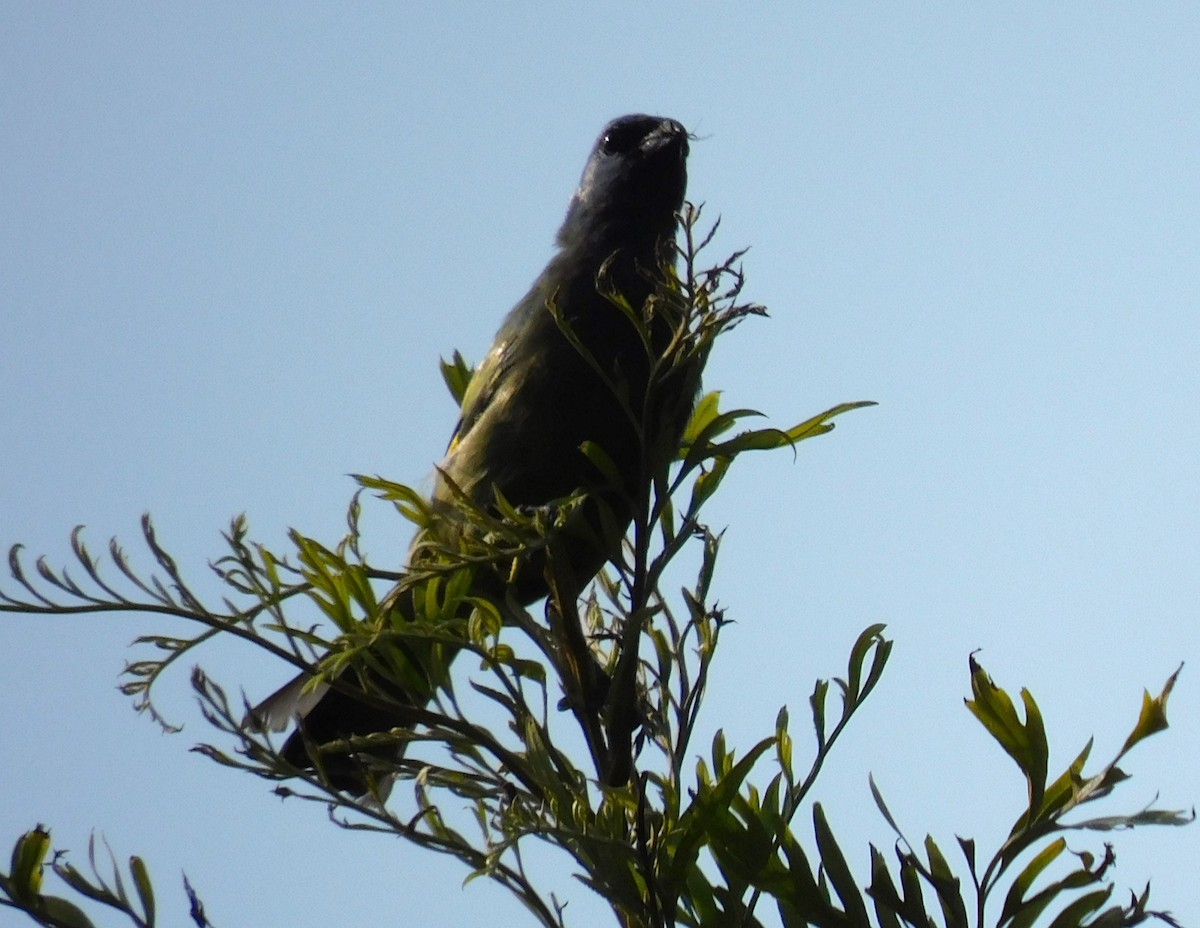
[[326, 714]]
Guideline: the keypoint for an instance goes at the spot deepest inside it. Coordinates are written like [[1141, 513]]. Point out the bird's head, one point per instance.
[[632, 186]]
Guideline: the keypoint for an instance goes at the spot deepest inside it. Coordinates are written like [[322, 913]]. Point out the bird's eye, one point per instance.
[[622, 138]]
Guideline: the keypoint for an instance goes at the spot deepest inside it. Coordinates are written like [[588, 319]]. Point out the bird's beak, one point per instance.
[[668, 132]]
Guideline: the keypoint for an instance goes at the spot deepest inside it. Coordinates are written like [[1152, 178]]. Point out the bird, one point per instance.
[[568, 370]]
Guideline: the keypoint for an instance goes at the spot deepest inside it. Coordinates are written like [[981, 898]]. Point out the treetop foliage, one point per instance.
[[576, 729]]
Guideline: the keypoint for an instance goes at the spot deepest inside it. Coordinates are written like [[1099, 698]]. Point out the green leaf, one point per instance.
[[1027, 915], [1029, 912], [839, 872], [711, 801], [947, 885], [800, 890], [1145, 817], [701, 448], [1024, 881], [1074, 914], [65, 913], [1038, 756], [145, 890], [882, 806], [1024, 742], [968, 850], [910, 879], [703, 415], [820, 424], [742, 844], [770, 439], [1153, 717], [28, 856], [751, 440], [698, 897], [706, 483], [1060, 795], [457, 374], [817, 702], [783, 744], [870, 638], [78, 882], [61, 912], [888, 905]]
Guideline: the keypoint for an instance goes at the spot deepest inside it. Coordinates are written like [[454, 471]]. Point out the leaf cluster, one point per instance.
[[21, 887], [1037, 838]]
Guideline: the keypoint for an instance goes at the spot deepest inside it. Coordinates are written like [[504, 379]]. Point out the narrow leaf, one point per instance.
[[1153, 717], [145, 890], [65, 914], [28, 855], [835, 865], [947, 885], [1074, 914], [1019, 890]]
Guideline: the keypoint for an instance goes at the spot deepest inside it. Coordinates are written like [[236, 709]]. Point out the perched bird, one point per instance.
[[540, 394]]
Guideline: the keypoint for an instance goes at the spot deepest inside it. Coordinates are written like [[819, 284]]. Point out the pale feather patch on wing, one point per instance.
[[288, 703], [480, 391]]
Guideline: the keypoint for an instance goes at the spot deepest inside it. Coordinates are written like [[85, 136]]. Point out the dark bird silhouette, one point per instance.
[[535, 400]]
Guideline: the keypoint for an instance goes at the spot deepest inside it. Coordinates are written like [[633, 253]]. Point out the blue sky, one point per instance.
[[236, 241]]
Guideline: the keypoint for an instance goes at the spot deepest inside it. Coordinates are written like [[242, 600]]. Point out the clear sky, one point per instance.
[[235, 239]]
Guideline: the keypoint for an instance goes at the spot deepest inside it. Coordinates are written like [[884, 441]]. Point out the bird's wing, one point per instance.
[[492, 371]]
